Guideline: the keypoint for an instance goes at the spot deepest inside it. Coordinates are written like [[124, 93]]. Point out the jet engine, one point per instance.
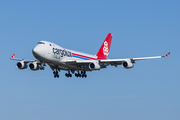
[[94, 66], [128, 64], [21, 65], [34, 66]]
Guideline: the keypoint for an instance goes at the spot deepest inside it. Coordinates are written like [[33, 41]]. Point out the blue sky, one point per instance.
[[149, 91]]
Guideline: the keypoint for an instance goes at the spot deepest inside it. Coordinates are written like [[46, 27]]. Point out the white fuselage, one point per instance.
[[55, 55]]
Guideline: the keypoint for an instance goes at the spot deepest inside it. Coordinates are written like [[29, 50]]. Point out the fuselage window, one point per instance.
[[41, 43]]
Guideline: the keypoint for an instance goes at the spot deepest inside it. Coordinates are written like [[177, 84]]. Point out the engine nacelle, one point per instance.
[[34, 66], [21, 65], [128, 64], [94, 66]]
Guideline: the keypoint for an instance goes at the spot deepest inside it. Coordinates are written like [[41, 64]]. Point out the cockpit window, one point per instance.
[[41, 43]]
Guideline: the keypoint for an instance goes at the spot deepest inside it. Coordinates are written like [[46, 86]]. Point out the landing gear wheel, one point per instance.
[[83, 74], [42, 68], [57, 76], [66, 74], [76, 74], [70, 75]]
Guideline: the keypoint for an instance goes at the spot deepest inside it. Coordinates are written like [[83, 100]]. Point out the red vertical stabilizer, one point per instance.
[[105, 48]]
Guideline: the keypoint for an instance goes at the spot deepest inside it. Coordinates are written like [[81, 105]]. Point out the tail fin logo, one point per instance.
[[105, 48]]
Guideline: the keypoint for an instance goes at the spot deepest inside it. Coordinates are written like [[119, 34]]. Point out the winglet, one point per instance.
[[167, 54], [13, 56]]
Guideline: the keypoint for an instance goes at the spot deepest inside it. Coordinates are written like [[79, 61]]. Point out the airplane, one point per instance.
[[74, 62]]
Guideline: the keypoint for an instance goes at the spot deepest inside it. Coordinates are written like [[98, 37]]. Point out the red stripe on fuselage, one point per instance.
[[84, 56]]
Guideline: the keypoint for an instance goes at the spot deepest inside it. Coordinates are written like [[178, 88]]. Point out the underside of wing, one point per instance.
[[89, 65], [85, 65], [128, 61]]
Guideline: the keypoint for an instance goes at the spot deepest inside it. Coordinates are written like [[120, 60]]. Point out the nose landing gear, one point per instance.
[[42, 65]]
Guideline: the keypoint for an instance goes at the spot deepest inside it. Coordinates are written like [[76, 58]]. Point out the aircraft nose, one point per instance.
[[36, 51]]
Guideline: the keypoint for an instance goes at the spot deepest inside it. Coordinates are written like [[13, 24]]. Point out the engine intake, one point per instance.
[[94, 66], [128, 64], [33, 66], [21, 65]]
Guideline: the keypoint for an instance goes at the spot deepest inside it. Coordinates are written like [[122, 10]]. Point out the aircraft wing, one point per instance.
[[113, 62], [120, 61], [19, 59]]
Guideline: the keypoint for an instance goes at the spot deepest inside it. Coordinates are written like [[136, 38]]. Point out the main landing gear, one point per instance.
[[56, 74], [68, 74], [83, 74]]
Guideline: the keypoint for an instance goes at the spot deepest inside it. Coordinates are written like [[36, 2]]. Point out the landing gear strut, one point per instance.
[[42, 65], [56, 74]]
